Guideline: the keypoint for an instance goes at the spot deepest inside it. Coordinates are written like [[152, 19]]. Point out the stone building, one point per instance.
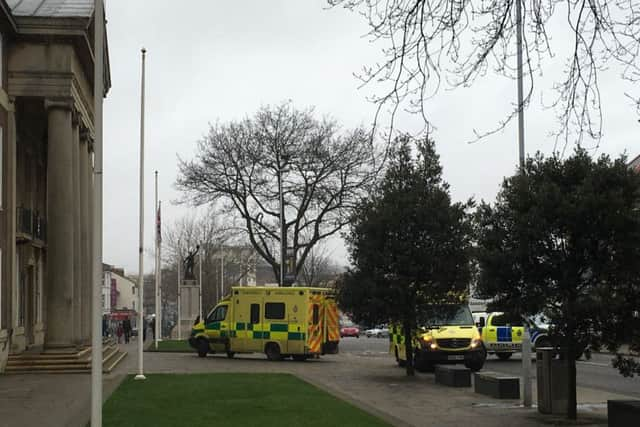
[[46, 173]]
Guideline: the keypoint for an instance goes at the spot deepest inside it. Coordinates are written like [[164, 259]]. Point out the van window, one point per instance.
[[255, 313], [316, 314], [274, 310], [506, 320], [219, 314]]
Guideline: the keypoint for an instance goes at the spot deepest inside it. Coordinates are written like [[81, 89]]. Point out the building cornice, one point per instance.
[[76, 30], [8, 16]]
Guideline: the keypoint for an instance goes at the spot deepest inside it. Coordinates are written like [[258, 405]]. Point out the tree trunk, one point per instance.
[[408, 347], [572, 404]]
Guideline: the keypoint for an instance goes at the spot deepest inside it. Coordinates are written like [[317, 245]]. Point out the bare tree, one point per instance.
[[432, 43], [318, 269], [322, 171]]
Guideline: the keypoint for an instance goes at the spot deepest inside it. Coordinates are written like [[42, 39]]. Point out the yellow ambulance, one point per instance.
[[300, 322], [448, 337]]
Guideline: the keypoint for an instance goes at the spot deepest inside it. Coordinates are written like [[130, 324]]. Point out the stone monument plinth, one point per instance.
[[189, 305]]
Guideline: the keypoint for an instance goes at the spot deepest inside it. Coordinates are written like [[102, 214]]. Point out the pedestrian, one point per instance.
[[127, 330], [105, 325], [119, 332], [153, 327], [144, 330]]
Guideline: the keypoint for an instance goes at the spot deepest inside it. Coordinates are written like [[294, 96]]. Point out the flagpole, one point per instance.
[[159, 312], [96, 300], [155, 329], [140, 375], [200, 296], [179, 320]]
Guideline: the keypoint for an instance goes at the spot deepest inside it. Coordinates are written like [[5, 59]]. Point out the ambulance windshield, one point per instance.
[[449, 315]]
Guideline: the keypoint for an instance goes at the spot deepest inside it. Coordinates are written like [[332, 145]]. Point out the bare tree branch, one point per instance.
[[458, 41], [324, 171]]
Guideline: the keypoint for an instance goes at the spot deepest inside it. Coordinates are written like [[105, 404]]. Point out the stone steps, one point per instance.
[[64, 363]]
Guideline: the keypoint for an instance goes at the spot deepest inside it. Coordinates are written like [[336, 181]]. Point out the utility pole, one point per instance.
[[221, 273], [526, 339], [96, 295], [283, 237], [140, 375]]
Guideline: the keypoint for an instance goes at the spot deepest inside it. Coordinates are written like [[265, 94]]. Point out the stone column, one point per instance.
[[60, 313], [77, 252], [85, 197]]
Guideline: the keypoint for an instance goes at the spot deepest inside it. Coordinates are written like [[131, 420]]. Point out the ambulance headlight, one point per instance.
[[427, 342], [476, 342], [433, 346]]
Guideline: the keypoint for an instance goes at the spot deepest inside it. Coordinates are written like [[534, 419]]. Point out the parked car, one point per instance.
[[349, 330], [378, 332]]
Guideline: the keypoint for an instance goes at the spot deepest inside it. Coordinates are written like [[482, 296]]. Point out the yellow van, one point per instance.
[[300, 322], [449, 336]]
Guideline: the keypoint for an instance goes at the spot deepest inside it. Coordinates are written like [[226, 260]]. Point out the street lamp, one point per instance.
[[283, 235]]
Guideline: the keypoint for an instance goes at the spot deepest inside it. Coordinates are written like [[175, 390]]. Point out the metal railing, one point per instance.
[[39, 227], [30, 225], [25, 222]]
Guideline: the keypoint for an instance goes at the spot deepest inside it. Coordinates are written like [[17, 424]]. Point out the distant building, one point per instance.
[[119, 294], [635, 164]]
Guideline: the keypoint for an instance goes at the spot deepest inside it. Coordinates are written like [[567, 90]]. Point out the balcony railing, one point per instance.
[[39, 227], [24, 224], [30, 226]]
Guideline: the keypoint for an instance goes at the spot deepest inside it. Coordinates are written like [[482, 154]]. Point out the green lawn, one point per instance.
[[228, 400], [181, 346]]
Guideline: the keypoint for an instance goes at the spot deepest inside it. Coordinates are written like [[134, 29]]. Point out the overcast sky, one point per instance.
[[221, 60]]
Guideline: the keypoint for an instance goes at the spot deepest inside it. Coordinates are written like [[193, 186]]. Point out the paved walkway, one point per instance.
[[371, 383], [56, 400]]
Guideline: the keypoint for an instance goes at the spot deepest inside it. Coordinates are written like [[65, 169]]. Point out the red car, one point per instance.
[[349, 331]]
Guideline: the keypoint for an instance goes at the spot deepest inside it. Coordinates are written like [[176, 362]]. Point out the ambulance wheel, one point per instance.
[[475, 365], [504, 356], [203, 348], [272, 350]]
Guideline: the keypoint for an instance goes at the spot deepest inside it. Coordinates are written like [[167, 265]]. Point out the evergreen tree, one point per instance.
[[409, 245], [562, 240]]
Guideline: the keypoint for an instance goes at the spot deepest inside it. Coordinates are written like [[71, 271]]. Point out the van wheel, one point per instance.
[[272, 350], [203, 347], [504, 356], [475, 365]]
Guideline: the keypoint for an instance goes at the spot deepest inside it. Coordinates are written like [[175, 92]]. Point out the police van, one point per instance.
[[502, 334], [300, 322]]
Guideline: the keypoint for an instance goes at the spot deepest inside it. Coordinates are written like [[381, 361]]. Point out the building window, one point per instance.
[[39, 276]]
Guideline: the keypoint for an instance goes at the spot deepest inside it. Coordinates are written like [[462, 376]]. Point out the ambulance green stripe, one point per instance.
[[279, 327]]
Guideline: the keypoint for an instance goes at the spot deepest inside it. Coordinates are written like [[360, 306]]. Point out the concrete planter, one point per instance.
[[623, 413]]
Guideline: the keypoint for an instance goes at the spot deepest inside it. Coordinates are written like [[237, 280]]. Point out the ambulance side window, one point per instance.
[[255, 313], [219, 314], [274, 310], [316, 314]]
